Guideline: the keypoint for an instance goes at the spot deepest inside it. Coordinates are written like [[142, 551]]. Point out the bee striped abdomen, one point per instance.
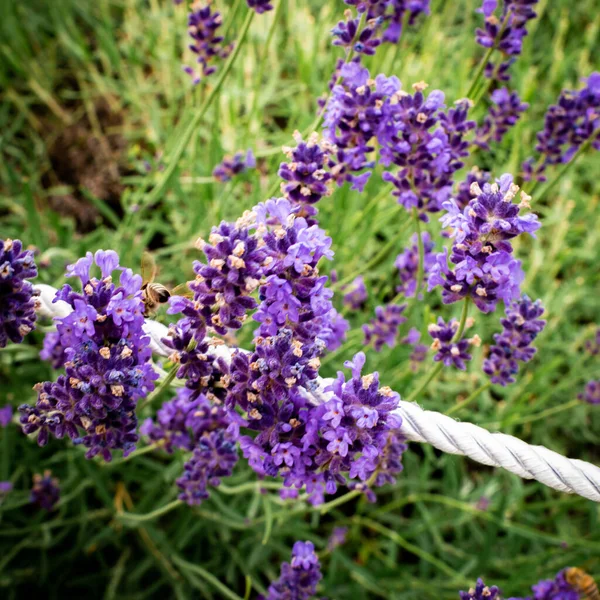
[[583, 583]]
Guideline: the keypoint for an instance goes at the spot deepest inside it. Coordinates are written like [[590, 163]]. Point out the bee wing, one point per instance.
[[182, 290], [148, 267]]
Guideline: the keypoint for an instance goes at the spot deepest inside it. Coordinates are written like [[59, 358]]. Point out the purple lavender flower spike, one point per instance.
[[298, 580], [591, 393], [355, 293], [17, 296], [368, 39], [513, 345], [448, 351], [463, 195], [484, 268], [553, 589], [53, 351], [383, 329], [234, 165], [203, 24], [337, 538], [390, 15], [260, 6], [45, 491], [6, 413], [571, 122], [427, 144], [504, 113], [505, 32], [481, 592], [5, 488], [407, 264], [107, 359]]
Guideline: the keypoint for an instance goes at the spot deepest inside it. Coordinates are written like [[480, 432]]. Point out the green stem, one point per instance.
[[208, 577], [159, 512], [468, 399], [155, 194], [436, 370], [479, 72], [164, 384], [420, 268]]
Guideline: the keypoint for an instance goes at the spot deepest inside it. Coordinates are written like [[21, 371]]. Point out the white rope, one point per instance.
[[567, 475]]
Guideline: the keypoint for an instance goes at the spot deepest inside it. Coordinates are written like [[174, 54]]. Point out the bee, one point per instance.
[[583, 583], [153, 293]]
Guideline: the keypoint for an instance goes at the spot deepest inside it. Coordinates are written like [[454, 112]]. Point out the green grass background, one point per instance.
[[424, 538]]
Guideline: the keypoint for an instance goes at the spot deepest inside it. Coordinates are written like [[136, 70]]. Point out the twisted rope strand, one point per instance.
[[564, 474]]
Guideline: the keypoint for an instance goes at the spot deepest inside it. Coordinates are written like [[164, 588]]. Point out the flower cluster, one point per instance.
[[463, 194], [223, 285], [354, 434], [419, 351], [45, 491], [107, 363], [298, 580], [591, 392], [346, 34], [383, 329], [428, 145], [355, 293], [203, 24], [407, 263], [394, 13], [6, 413], [17, 296], [305, 177], [358, 113], [231, 166], [191, 422], [503, 114], [571, 122], [504, 32], [481, 592], [260, 6], [450, 351], [553, 589], [484, 267], [293, 294], [53, 351], [513, 345]]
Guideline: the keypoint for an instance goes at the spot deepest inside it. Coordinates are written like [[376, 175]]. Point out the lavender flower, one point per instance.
[[513, 344], [571, 122], [591, 393], [45, 491], [505, 32], [505, 111], [481, 592], [6, 413], [419, 351], [223, 286], [231, 166], [367, 40], [392, 13], [383, 329], [355, 293], [464, 195], [5, 488], [191, 422], [53, 351], [358, 112], [484, 268], [108, 363], [202, 27], [448, 350], [260, 6], [428, 145], [298, 579], [553, 589], [305, 177], [407, 264], [337, 538], [17, 296]]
